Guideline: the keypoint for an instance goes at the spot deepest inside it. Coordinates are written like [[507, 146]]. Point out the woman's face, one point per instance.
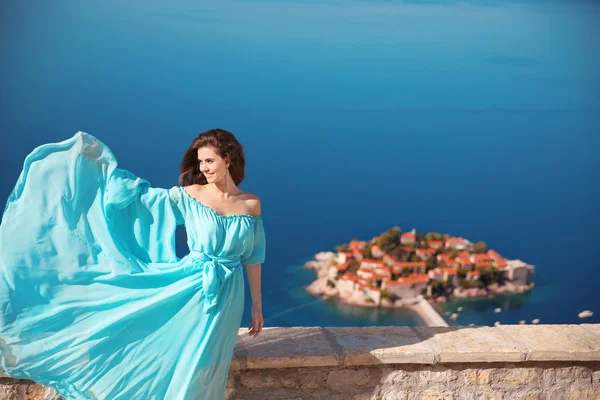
[[211, 164]]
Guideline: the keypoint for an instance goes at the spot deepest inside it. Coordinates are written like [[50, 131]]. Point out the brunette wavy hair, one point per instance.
[[225, 144]]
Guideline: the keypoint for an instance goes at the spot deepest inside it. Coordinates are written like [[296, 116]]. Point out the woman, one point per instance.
[[93, 300]]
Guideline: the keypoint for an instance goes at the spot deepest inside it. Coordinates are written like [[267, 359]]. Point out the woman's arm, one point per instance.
[[253, 273]]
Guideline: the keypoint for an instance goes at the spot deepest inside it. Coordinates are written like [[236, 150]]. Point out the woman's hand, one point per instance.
[[257, 320]]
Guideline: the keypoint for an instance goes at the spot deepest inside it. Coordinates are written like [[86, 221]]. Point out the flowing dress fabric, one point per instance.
[[93, 299]]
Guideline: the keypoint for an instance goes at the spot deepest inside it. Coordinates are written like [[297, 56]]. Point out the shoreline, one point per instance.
[[425, 312]]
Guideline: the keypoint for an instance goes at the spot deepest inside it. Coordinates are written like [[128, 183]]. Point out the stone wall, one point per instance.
[[385, 363]]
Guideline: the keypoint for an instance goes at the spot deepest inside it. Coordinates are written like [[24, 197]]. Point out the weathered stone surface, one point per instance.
[[584, 394], [535, 395], [596, 376], [287, 347], [435, 395], [477, 376], [477, 344], [392, 393], [517, 376], [385, 344], [305, 378], [44, 393], [493, 395], [566, 375], [258, 379], [437, 375], [346, 380], [230, 381], [13, 392], [230, 393], [555, 342], [593, 328]]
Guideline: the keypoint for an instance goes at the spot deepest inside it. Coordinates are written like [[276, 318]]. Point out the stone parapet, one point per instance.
[[384, 363]]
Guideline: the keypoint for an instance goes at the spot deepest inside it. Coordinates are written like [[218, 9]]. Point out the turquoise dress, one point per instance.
[[93, 299]]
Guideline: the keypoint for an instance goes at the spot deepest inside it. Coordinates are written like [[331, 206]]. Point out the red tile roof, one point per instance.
[[494, 255], [410, 264], [481, 257], [425, 251], [350, 277], [451, 263], [343, 267], [464, 260], [456, 240]]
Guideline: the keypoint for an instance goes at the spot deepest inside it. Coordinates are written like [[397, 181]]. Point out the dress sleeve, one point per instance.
[[256, 254]]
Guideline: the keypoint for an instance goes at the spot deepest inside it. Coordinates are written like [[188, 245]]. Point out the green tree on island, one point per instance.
[[434, 236], [390, 240], [344, 248], [490, 275], [431, 263], [353, 266], [479, 247]]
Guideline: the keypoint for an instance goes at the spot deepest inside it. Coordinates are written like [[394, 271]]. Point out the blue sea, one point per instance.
[[480, 119]]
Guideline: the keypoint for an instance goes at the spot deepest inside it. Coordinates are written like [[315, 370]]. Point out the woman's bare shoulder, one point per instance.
[[252, 202]]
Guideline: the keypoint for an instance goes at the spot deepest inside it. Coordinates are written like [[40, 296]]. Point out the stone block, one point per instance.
[[258, 379], [437, 375], [287, 347], [477, 376], [518, 376], [381, 345], [476, 344], [566, 375], [304, 378], [346, 380], [555, 342]]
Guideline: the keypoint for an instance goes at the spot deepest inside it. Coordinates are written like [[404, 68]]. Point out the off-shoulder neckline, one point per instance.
[[210, 209]]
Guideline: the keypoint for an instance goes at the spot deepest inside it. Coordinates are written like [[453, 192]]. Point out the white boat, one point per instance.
[[497, 323], [459, 309], [522, 322], [497, 310], [535, 321], [585, 314], [454, 316]]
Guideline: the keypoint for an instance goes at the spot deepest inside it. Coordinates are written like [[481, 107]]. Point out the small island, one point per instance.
[[408, 269]]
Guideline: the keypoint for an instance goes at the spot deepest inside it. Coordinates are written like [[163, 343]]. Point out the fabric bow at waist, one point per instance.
[[214, 270]]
